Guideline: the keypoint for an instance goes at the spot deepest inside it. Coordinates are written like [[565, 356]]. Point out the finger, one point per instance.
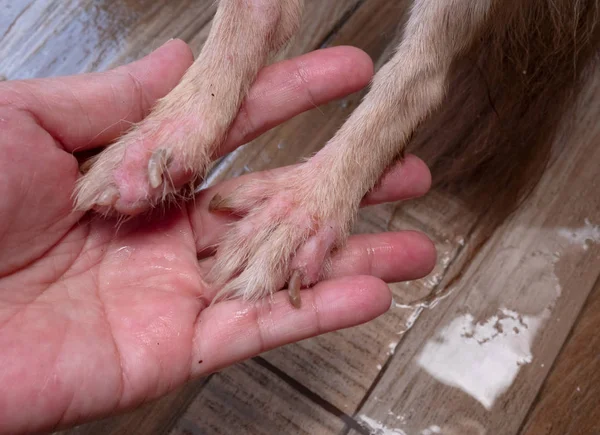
[[233, 331], [391, 257], [288, 88], [88, 110], [407, 179]]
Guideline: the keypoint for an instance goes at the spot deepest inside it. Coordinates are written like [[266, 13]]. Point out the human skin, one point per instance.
[[94, 319]]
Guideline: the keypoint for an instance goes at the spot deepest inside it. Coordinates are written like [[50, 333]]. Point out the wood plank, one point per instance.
[[569, 401], [47, 38], [249, 399], [482, 354], [155, 417]]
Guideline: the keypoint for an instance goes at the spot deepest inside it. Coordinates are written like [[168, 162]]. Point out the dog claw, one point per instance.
[[157, 165], [86, 166], [294, 289], [218, 203], [108, 198]]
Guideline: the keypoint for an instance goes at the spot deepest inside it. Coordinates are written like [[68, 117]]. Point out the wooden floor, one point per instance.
[[509, 346]]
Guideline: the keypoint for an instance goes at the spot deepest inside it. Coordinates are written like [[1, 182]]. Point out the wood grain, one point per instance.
[[482, 354], [155, 417], [42, 38], [249, 399], [569, 401], [48, 38]]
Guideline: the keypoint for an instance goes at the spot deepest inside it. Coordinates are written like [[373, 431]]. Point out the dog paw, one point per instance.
[[287, 230], [158, 160]]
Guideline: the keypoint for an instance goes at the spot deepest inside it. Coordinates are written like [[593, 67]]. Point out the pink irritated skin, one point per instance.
[[286, 233], [133, 182], [132, 174], [313, 254]]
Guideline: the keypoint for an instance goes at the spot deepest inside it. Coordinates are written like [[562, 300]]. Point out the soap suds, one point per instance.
[[378, 428], [582, 236], [482, 359], [431, 430]]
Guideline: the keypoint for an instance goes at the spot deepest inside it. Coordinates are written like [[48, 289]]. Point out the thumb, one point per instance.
[[89, 110]]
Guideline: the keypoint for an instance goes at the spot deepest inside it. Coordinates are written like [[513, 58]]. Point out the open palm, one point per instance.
[[95, 319]]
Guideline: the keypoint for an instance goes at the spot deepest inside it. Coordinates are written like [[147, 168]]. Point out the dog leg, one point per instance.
[[173, 147], [291, 223]]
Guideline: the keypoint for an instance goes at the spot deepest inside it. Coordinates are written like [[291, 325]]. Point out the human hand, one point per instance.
[[94, 320]]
